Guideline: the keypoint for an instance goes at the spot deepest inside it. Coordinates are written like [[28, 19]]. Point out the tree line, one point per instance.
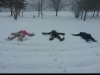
[[14, 5], [80, 8], [39, 5]]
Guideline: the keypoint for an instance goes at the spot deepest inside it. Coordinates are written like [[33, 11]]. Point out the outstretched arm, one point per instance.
[[44, 33], [28, 34], [76, 34], [62, 34]]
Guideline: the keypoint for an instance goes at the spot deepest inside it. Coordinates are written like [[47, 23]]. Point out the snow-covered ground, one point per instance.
[[39, 55]]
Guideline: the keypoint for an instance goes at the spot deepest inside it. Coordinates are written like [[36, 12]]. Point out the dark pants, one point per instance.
[[57, 36]]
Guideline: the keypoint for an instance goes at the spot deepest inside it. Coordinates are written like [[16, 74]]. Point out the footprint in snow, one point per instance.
[[97, 54], [4, 67], [55, 59], [15, 57], [64, 71], [6, 50], [51, 46]]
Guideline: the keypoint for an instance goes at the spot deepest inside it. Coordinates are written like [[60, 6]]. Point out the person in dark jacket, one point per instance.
[[87, 37], [54, 34]]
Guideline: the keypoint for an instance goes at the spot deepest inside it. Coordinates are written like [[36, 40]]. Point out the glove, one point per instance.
[[43, 33]]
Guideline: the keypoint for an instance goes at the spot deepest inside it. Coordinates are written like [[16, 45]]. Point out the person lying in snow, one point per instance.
[[87, 37], [54, 34], [21, 34]]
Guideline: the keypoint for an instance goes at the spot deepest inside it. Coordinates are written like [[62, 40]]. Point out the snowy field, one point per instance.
[[39, 55]]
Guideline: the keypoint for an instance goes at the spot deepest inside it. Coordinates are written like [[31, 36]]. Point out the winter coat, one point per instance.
[[24, 32]]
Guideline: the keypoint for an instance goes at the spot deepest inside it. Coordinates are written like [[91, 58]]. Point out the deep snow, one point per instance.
[[39, 55]]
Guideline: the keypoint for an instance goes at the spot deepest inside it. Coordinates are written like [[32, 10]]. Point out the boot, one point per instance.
[[20, 39], [62, 39], [9, 39]]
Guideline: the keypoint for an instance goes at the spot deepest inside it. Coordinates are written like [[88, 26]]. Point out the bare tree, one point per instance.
[[38, 5], [18, 5], [2, 3], [7, 4], [12, 4], [82, 7], [58, 5], [16, 9]]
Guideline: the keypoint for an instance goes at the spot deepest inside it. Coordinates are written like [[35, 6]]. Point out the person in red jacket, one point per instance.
[[21, 34]]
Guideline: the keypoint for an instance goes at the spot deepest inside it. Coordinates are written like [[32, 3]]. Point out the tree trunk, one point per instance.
[[82, 15], [16, 13], [93, 13], [56, 13], [15, 16], [41, 9], [77, 14], [38, 13], [11, 11], [42, 15], [19, 13], [98, 13], [22, 14], [85, 15]]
